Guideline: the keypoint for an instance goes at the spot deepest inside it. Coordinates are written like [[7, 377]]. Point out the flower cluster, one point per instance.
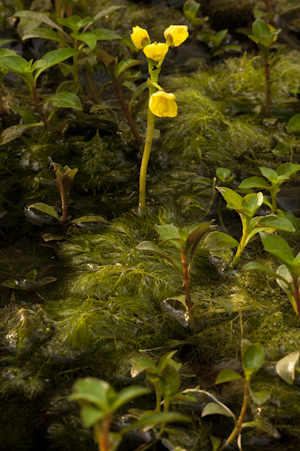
[[161, 103]]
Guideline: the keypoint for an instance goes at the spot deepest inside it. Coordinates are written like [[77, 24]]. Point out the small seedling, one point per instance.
[[165, 378], [247, 207], [264, 35], [253, 356], [287, 275], [186, 241], [99, 402], [276, 178]]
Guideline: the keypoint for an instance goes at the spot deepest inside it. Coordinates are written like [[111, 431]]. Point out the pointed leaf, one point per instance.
[[90, 39], [288, 168], [261, 28], [294, 124], [86, 219], [55, 57], [126, 64], [165, 359], [278, 247], [15, 131], [227, 375], [254, 182], [260, 397], [231, 196], [217, 241], [212, 408], [262, 268], [103, 34], [90, 415], [45, 33], [45, 209], [156, 418], [274, 222], [195, 236], [39, 17], [168, 232], [93, 390], [253, 359], [253, 201], [129, 393], [142, 364], [65, 99], [270, 174], [286, 367]]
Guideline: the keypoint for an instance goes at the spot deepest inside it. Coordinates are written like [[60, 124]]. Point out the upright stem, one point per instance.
[[267, 90], [154, 72], [158, 399], [296, 295], [238, 427], [163, 425], [128, 116], [269, 6], [37, 105], [274, 200], [243, 242], [102, 431], [186, 282]]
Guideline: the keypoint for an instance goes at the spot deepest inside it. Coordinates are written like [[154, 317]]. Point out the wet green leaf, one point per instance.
[[270, 174], [253, 359], [86, 219], [227, 375], [278, 247], [168, 232], [38, 17], [212, 408], [65, 99], [294, 124], [15, 131], [288, 169], [52, 58], [217, 241], [231, 197], [286, 367], [45, 33], [260, 397], [274, 222], [45, 209], [254, 182]]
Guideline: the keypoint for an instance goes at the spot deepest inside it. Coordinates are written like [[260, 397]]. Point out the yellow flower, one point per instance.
[[162, 104], [178, 33], [138, 35], [156, 51]]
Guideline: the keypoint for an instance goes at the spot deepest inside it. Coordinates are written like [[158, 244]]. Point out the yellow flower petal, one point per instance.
[[179, 34], [138, 35], [162, 104], [156, 51]]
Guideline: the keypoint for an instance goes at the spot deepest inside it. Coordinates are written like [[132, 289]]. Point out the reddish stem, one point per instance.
[[267, 75], [186, 283]]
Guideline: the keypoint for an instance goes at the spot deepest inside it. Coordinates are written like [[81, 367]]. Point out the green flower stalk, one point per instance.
[[161, 103]]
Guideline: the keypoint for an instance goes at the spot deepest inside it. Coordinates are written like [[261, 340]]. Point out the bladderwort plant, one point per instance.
[[246, 207], [186, 241], [276, 178], [253, 356], [161, 103], [99, 402], [287, 274], [264, 35]]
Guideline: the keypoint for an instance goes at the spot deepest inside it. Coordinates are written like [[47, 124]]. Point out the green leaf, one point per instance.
[[231, 196], [45, 209], [168, 232], [172, 379], [288, 169], [129, 393], [90, 415], [142, 364], [65, 99], [165, 359], [194, 236], [103, 34], [227, 375], [126, 64], [262, 268], [260, 397], [54, 57], [253, 359], [217, 241], [270, 174], [15, 131], [212, 408], [263, 425], [86, 219], [278, 247], [293, 124], [260, 29], [223, 174], [93, 390], [274, 222], [45, 33], [190, 9], [90, 39], [253, 201], [39, 17], [254, 182], [16, 63], [286, 367], [215, 442], [28, 116], [154, 419]]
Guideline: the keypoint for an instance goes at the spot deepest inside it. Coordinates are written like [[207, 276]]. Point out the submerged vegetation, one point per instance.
[[92, 306]]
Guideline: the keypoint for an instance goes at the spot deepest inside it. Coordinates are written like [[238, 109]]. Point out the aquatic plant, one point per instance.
[[246, 208], [186, 241], [99, 402], [287, 275], [276, 178], [253, 356], [264, 35], [161, 103]]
